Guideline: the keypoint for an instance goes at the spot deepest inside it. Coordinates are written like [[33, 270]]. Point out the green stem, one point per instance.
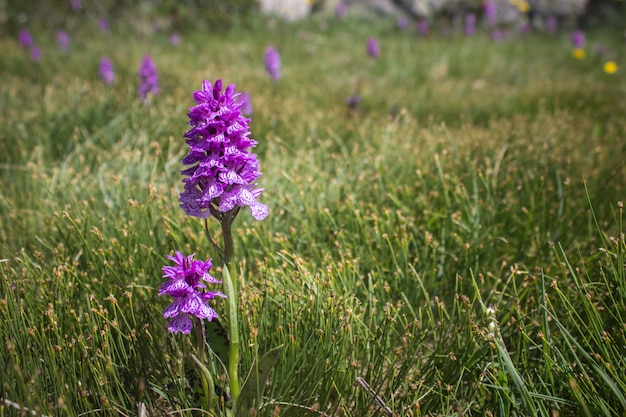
[[227, 236], [230, 288], [200, 337], [233, 359], [208, 387]]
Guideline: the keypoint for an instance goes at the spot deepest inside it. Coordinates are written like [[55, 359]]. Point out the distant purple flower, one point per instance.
[[402, 23], [353, 101], [75, 5], [272, 63], [175, 39], [552, 24], [149, 79], [340, 11], [422, 27], [497, 35], [186, 284], [107, 73], [103, 24], [63, 40], [246, 103], [525, 28], [470, 24], [25, 39], [491, 12], [600, 49], [157, 26], [223, 172], [578, 39], [373, 49], [35, 53]]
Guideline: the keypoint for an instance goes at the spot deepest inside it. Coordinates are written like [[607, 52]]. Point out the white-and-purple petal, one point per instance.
[[181, 323]]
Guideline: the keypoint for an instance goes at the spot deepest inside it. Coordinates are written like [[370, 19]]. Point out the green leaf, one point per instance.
[[252, 390], [217, 339], [207, 390]]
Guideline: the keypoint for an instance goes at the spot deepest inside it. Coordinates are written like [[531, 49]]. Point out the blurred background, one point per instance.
[[220, 15]]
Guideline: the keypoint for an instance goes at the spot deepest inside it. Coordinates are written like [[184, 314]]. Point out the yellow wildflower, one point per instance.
[[610, 67], [579, 54], [522, 5]]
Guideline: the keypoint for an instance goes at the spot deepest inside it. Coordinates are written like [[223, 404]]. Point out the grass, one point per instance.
[[472, 174]]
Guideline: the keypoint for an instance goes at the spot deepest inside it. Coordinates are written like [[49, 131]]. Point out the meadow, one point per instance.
[[454, 242]]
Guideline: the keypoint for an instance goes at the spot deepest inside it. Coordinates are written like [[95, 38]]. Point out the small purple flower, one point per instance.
[[373, 49], [175, 39], [272, 63], [63, 40], [578, 39], [422, 27], [497, 35], [525, 28], [600, 49], [222, 171], [76, 6], [157, 27], [186, 284], [552, 24], [107, 72], [340, 11], [103, 24], [402, 23], [470, 24], [35, 53], [491, 12], [353, 101], [25, 39], [246, 103], [149, 79]]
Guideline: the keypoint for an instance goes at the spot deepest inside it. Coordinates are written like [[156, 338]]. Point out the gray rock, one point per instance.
[[569, 8], [507, 13], [289, 10]]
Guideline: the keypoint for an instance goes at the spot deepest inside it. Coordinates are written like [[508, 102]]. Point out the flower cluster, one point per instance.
[[470, 24], [223, 172], [491, 12], [148, 77], [340, 11], [107, 73], [35, 53], [175, 39], [63, 38], [497, 35], [402, 23], [25, 39], [373, 50], [186, 284], [272, 63], [103, 24], [422, 27], [578, 39], [552, 24]]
